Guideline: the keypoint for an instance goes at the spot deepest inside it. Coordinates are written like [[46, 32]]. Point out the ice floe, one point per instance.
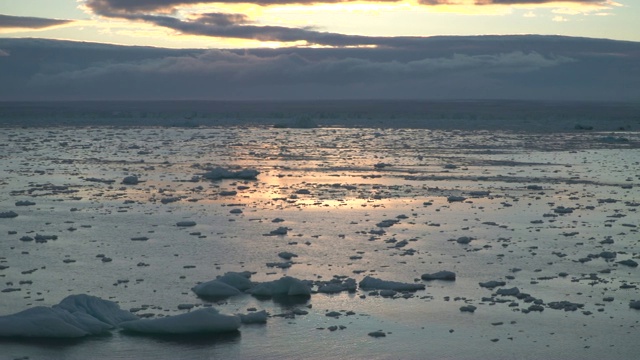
[[440, 275], [258, 317], [215, 289], [284, 286], [75, 316], [207, 320], [219, 173]]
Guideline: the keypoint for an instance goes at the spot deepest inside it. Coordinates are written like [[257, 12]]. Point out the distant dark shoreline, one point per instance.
[[516, 115]]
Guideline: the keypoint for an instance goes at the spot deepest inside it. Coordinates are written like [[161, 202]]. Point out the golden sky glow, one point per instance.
[[603, 19]]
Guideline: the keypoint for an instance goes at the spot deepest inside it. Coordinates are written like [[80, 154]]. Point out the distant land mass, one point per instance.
[[517, 67]]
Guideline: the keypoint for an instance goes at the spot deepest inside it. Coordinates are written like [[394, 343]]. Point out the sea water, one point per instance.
[[330, 188]]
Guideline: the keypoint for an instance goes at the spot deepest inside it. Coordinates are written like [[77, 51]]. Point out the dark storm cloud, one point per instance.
[[7, 21]]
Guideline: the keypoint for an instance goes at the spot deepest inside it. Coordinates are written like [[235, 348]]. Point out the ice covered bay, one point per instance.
[[553, 215]]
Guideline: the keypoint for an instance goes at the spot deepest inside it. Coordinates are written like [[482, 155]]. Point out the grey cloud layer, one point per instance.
[[133, 6], [240, 26], [7, 21], [520, 67]]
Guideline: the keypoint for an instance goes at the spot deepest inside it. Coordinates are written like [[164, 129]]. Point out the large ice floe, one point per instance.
[[207, 320], [75, 316], [83, 315]]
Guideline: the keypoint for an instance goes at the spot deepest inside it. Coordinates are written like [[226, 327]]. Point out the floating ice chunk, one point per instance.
[[284, 286], [628, 262], [388, 293], [336, 286], [331, 288], [130, 180], [103, 310], [46, 322], [464, 240], [373, 283], [563, 210], [221, 173], [491, 284], [8, 214], [440, 275], [75, 316], [280, 265], [565, 305], [238, 280], [468, 308], [287, 255], [479, 193], [206, 320], [387, 223], [508, 292], [279, 231], [215, 289], [377, 334], [259, 317]]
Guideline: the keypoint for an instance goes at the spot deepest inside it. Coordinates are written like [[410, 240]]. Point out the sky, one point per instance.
[[286, 23], [585, 50]]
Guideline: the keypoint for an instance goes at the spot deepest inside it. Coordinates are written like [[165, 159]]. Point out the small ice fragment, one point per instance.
[[440, 275], [491, 284], [8, 215], [373, 283], [130, 180], [259, 317], [215, 289], [377, 334]]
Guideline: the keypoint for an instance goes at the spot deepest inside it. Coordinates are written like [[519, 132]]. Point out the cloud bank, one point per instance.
[[164, 13], [7, 21], [146, 6], [485, 67]]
